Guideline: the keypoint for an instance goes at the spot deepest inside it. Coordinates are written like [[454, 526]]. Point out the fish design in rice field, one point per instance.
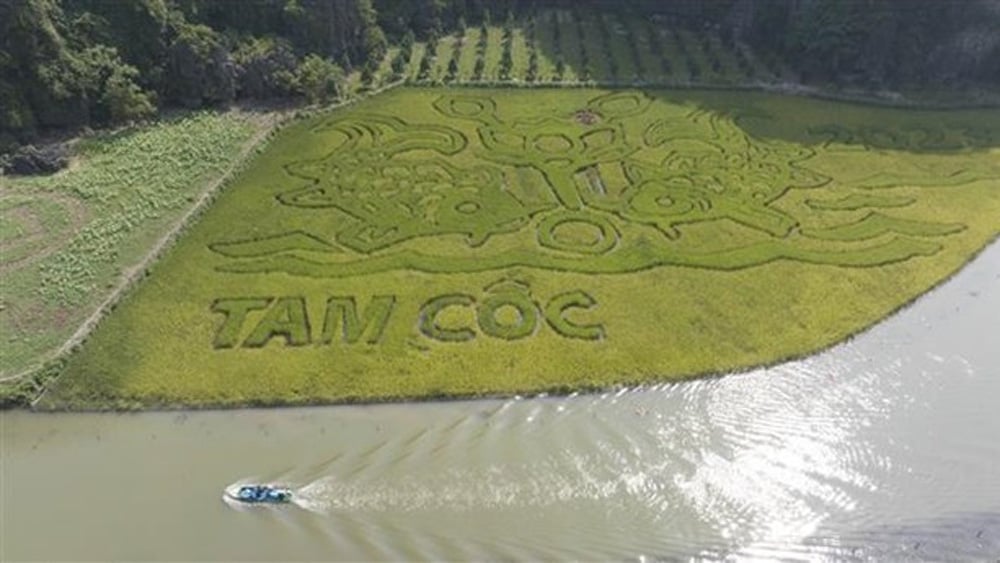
[[611, 187]]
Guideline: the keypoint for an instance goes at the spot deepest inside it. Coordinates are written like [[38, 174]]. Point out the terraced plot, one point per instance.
[[468, 242]]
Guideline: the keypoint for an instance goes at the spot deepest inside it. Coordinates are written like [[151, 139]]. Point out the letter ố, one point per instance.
[[523, 326], [235, 310]]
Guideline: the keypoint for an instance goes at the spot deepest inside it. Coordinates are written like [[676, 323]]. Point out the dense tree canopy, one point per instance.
[[68, 63], [878, 42]]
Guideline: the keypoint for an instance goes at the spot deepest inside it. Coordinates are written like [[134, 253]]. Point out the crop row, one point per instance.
[[573, 46]]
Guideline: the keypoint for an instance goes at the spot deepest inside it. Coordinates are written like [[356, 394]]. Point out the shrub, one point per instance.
[[31, 160]]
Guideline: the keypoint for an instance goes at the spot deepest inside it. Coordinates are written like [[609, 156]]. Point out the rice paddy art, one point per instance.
[[469, 242], [602, 201]]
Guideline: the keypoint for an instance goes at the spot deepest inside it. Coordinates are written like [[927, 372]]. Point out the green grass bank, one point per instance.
[[467, 242]]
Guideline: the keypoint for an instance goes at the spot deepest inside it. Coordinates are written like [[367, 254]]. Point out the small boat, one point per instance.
[[261, 494]]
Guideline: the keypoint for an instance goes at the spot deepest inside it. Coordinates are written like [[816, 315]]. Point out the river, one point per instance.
[[884, 447]]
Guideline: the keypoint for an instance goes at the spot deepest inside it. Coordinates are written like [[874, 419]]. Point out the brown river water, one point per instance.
[[886, 447]]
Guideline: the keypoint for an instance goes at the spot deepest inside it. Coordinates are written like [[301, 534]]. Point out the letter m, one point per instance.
[[342, 316]]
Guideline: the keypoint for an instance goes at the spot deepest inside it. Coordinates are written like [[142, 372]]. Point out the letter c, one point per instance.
[[555, 312], [430, 311]]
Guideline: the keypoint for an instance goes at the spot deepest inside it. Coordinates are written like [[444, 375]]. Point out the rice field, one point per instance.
[[462, 242]]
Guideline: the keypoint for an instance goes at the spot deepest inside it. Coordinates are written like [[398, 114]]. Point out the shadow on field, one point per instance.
[[683, 50], [815, 122]]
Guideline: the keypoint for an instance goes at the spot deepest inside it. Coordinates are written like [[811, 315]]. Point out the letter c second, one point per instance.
[[430, 311]]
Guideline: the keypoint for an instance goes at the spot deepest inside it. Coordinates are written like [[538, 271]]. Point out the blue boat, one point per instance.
[[261, 494]]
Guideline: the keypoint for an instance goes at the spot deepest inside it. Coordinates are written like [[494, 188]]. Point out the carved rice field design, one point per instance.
[[615, 192]]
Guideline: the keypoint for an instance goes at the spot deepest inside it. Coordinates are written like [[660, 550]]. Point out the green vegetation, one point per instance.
[[74, 63], [68, 238], [468, 242], [469, 188]]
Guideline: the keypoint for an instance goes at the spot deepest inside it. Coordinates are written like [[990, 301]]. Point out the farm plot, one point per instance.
[[435, 242], [65, 239]]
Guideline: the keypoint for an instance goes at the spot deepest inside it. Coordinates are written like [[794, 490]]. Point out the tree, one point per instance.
[[124, 99], [398, 65], [406, 44], [532, 73], [319, 79], [373, 44], [367, 76], [480, 68], [828, 37], [68, 63], [101, 87], [427, 17], [424, 72], [265, 67], [200, 70], [138, 29]]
